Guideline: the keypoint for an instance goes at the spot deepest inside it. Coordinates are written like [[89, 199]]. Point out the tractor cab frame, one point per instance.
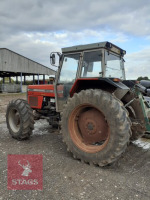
[[86, 63]]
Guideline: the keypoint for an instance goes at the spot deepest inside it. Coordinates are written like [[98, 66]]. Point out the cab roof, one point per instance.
[[107, 45]]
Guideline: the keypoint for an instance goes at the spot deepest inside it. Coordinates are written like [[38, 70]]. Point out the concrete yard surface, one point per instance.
[[65, 178]]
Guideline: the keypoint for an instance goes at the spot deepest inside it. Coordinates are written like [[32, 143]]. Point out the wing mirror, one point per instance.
[[52, 58], [55, 56]]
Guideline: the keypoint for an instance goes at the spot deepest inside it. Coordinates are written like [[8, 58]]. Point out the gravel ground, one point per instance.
[[66, 178]]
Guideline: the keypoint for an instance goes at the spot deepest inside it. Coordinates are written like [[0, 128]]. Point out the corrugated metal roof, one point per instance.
[[13, 62]]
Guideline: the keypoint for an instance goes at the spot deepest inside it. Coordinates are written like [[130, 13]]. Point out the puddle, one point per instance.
[[143, 142], [40, 127]]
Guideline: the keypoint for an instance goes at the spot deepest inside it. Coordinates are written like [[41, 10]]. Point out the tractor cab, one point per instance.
[[87, 64]]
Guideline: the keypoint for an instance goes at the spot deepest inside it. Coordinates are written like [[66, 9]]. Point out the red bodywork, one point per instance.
[[36, 94]]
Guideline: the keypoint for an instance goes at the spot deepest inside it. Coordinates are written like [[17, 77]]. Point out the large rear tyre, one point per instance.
[[19, 119], [95, 127]]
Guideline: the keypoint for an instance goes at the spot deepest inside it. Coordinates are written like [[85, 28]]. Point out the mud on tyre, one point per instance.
[[95, 127]]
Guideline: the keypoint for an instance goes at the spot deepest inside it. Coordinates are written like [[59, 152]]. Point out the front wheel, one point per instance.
[[19, 119], [95, 127]]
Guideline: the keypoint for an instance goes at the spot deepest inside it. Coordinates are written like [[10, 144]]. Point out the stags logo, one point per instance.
[[27, 168], [25, 172]]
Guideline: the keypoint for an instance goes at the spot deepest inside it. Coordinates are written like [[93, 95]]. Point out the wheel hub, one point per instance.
[[90, 126], [93, 126]]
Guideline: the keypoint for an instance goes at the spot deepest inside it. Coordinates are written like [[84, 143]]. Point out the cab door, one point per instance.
[[67, 75]]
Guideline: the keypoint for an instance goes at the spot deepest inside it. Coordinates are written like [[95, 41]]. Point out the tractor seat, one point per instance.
[[145, 83]]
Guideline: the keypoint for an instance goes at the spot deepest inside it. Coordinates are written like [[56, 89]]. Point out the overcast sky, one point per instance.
[[35, 28]]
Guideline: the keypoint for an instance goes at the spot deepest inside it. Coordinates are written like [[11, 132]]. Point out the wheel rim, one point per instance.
[[88, 128], [14, 120]]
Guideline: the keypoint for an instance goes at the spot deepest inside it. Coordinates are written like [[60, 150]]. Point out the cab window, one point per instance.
[[91, 65], [69, 68], [114, 66]]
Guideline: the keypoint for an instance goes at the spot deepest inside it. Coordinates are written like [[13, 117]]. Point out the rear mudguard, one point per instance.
[[111, 85]]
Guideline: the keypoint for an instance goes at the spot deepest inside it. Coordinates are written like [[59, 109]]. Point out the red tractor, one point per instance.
[[97, 110]]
